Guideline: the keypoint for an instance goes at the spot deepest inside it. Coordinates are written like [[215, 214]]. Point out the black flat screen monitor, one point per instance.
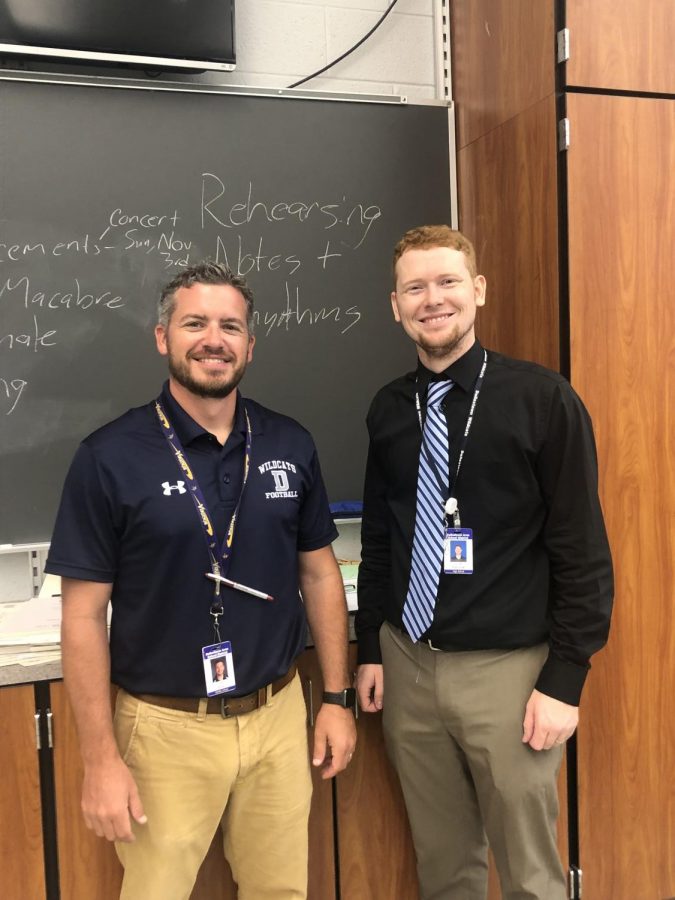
[[190, 34]]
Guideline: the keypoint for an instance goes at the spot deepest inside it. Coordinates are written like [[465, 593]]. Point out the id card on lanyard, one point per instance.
[[216, 657], [457, 541]]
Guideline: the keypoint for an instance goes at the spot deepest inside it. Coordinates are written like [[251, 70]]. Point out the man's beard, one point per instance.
[[439, 351], [215, 390]]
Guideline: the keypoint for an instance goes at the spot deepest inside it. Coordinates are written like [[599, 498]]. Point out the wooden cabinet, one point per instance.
[[376, 856], [622, 314], [322, 881], [88, 865], [21, 845], [485, 35], [626, 46], [580, 243], [342, 814]]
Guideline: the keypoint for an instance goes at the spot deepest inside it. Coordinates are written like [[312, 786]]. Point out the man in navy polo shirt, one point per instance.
[[200, 516]]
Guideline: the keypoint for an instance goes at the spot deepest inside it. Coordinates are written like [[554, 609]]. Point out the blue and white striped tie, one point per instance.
[[432, 480]]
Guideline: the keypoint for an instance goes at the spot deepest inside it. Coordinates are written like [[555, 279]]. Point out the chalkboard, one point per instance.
[[106, 193]]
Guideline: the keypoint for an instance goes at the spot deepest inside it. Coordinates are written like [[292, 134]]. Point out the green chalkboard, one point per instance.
[[105, 193]]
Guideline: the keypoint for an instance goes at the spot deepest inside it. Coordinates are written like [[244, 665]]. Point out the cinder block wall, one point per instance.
[[281, 41]]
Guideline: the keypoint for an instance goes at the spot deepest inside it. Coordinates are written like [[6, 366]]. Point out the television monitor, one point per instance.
[[152, 34]]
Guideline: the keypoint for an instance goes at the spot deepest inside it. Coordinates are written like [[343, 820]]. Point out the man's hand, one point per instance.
[[109, 798], [548, 721], [334, 739], [370, 687]]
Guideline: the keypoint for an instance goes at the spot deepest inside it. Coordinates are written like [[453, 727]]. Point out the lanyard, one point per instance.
[[219, 557], [452, 506]]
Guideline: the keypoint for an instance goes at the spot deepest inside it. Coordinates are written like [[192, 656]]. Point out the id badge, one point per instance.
[[458, 551], [218, 669]]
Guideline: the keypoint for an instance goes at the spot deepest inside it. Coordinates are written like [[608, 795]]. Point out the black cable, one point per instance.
[[347, 52]]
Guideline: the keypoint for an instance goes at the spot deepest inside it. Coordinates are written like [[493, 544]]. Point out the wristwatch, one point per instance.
[[346, 698]]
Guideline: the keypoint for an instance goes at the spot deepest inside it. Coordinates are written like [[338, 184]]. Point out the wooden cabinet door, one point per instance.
[[376, 856], [88, 865], [21, 849], [502, 64], [621, 185], [621, 46], [321, 830]]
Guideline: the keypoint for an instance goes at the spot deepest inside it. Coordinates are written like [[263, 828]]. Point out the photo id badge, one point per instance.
[[218, 669], [458, 551]]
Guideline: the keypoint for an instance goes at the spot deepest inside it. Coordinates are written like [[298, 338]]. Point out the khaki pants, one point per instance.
[[195, 772], [453, 728]]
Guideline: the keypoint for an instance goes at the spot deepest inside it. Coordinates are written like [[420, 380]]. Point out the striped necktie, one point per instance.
[[432, 484]]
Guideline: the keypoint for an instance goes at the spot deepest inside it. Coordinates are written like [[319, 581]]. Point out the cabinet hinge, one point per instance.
[[563, 45], [564, 134], [574, 877], [50, 729]]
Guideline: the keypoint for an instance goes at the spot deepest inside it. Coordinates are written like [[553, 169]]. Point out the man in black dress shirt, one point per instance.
[[476, 712]]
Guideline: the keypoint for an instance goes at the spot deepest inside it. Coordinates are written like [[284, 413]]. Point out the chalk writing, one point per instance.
[[73, 298], [10, 391], [335, 228], [85, 246], [30, 340], [217, 207], [118, 218], [242, 262], [293, 314]]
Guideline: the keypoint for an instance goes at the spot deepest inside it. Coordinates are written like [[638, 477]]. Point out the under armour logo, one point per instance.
[[178, 486], [280, 479]]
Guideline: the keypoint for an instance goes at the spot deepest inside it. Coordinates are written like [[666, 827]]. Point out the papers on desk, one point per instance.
[[30, 631]]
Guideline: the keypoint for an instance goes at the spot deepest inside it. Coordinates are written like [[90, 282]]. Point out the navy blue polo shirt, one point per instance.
[[127, 518]]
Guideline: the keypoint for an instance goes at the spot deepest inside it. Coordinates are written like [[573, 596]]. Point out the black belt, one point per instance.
[[425, 642], [222, 706]]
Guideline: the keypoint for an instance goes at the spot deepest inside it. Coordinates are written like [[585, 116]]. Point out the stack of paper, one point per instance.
[[30, 631]]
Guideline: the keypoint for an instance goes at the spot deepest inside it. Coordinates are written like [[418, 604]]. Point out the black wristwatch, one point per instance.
[[346, 698]]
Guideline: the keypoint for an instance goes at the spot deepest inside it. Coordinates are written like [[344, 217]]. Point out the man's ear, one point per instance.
[[160, 339], [480, 287], [394, 306]]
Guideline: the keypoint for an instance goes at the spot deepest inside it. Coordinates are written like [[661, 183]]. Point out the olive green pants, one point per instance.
[[453, 729], [196, 772]]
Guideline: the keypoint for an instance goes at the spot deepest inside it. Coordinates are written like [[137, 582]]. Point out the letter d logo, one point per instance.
[[280, 480]]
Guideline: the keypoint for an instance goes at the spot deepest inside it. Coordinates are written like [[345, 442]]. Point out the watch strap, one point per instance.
[[345, 698]]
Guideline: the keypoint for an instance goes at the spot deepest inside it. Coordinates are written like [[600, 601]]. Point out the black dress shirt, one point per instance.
[[527, 487]]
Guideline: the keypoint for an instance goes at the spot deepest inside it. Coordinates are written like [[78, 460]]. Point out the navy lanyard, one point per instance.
[[465, 438], [220, 558]]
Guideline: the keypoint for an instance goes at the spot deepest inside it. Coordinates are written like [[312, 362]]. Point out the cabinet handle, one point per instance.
[[356, 699], [50, 734], [38, 739], [311, 703]]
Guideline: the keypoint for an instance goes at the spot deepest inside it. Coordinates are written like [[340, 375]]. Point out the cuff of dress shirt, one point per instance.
[[368, 651], [562, 680]]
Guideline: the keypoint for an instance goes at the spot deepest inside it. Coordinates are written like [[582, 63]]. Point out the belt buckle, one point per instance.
[[435, 649], [224, 709]]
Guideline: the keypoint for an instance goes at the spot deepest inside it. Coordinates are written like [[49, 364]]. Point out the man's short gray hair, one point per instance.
[[204, 272]]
